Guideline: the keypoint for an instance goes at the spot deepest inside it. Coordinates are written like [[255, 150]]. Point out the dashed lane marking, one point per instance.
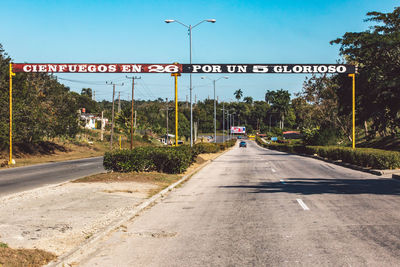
[[302, 204]]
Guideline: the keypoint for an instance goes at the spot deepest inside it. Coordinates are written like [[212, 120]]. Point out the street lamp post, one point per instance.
[[233, 123], [215, 105], [227, 123], [190, 27]]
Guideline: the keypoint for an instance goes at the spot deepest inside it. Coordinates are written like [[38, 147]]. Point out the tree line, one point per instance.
[[45, 108]]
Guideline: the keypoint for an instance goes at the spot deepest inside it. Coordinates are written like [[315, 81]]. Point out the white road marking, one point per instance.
[[302, 204], [282, 181], [273, 170]]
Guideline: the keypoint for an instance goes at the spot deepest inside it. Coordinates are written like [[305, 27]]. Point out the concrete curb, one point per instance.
[[85, 248], [344, 164]]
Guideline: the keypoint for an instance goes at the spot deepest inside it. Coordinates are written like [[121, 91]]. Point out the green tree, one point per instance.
[[87, 92], [280, 102], [376, 52], [248, 100], [238, 94]]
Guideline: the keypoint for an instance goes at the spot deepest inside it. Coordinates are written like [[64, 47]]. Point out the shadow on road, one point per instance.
[[310, 186]]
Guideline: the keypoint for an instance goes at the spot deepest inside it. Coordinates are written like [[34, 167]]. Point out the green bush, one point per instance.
[[145, 159], [365, 157], [207, 148], [161, 159]]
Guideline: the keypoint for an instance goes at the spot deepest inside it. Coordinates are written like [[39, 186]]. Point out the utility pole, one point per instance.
[[133, 93], [94, 95], [167, 109], [176, 75], [167, 120], [227, 123], [112, 119], [134, 125], [223, 122], [102, 126], [119, 102]]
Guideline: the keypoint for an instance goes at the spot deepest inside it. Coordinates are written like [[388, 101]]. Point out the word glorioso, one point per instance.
[[182, 68]]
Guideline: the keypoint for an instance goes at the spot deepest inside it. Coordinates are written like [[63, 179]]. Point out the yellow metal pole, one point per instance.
[[176, 106], [10, 161], [120, 143], [353, 75]]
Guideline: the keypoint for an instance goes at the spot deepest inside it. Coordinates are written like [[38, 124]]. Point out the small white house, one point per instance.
[[90, 120]]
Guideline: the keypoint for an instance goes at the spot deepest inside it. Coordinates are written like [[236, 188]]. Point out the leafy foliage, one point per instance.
[[42, 107], [376, 52], [161, 159]]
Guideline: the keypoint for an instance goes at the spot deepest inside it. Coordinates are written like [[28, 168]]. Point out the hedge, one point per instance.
[[365, 157], [161, 159], [213, 147]]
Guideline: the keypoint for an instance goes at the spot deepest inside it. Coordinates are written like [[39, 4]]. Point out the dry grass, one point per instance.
[[24, 257], [162, 180]]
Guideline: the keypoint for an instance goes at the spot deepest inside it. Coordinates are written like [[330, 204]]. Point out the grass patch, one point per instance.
[[24, 257], [386, 143]]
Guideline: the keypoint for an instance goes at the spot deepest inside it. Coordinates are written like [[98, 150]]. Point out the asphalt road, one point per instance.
[[24, 178], [256, 207]]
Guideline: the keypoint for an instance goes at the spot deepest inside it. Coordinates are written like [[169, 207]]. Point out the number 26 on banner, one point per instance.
[[163, 68]]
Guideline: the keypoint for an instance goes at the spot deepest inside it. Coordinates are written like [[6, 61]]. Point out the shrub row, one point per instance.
[[145, 159], [161, 159], [365, 157], [212, 147]]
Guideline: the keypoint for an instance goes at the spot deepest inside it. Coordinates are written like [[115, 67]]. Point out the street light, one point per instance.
[[232, 122], [215, 105], [190, 27]]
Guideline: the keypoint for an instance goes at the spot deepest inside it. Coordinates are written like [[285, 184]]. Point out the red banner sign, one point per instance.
[[185, 68], [97, 68]]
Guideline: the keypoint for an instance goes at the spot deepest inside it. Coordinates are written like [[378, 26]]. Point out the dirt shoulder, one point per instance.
[[56, 219]]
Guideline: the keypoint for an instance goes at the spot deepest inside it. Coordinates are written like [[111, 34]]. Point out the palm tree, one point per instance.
[[238, 94], [248, 100]]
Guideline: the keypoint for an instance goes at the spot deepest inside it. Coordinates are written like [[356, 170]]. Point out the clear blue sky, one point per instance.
[[284, 31]]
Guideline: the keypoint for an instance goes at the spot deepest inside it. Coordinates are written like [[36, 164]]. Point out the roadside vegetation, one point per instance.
[[172, 160], [10, 257], [364, 157], [46, 111]]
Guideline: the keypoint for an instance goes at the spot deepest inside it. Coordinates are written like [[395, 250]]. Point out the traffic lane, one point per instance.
[[239, 210], [358, 208], [24, 178]]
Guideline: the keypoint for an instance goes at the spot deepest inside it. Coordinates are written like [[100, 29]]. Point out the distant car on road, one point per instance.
[[242, 144]]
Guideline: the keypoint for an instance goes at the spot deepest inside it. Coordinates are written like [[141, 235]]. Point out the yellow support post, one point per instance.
[[176, 106], [353, 75], [120, 147], [10, 161]]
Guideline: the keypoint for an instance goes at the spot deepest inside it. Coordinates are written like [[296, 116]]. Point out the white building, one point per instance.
[[90, 120]]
